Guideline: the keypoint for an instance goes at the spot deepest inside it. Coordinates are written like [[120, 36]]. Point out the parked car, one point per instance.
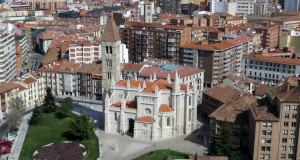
[[5, 150], [5, 143]]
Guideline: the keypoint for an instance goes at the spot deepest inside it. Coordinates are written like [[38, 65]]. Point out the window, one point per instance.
[[282, 156], [292, 140], [268, 140], [106, 49], [292, 132], [287, 108], [110, 49], [169, 121], [264, 132], [290, 156], [294, 116], [263, 148], [286, 124], [269, 133], [283, 148], [291, 148], [268, 148], [293, 124], [264, 124], [262, 156], [116, 116], [286, 115], [263, 140], [267, 156], [190, 114], [284, 140], [295, 107], [285, 132]]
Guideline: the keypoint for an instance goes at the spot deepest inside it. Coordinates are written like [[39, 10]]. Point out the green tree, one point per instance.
[[67, 105], [222, 144], [81, 127], [36, 116], [49, 102]]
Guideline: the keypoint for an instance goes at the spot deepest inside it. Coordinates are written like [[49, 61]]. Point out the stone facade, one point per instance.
[[151, 110]]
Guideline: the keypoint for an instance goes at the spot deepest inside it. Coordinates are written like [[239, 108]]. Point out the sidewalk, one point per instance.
[[18, 143]]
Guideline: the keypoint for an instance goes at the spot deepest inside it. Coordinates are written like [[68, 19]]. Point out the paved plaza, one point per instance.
[[116, 146]]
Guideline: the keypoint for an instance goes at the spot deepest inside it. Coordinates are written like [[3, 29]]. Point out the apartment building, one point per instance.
[[273, 124], [85, 52], [216, 96], [170, 6], [90, 81], [292, 5], [7, 53], [154, 40], [271, 35], [271, 67], [236, 113], [261, 8], [61, 77], [73, 79], [22, 40], [290, 37], [245, 6], [8, 91], [45, 4], [218, 6], [218, 60]]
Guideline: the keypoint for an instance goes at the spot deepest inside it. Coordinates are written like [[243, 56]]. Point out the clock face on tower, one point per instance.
[[147, 111]]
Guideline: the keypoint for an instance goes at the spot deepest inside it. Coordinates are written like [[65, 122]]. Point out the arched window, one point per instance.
[[169, 121], [110, 49], [190, 100], [116, 116], [106, 49]]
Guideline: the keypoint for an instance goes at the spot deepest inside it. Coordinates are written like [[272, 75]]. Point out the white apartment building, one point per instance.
[[269, 69], [89, 52], [245, 6], [61, 77], [86, 52], [292, 5], [218, 6], [7, 53]]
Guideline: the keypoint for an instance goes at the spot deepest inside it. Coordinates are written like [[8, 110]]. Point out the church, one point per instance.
[[152, 110]]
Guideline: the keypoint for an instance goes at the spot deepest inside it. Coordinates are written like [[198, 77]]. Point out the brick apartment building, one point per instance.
[[274, 124], [219, 60], [45, 4], [270, 35], [154, 40]]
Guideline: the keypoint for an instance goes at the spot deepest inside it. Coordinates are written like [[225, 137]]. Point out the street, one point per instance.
[[32, 60]]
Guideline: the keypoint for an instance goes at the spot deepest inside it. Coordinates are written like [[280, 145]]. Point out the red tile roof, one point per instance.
[[129, 104], [160, 73], [111, 33], [61, 66], [146, 119], [21, 88], [165, 108], [133, 67], [222, 93], [29, 80], [266, 58], [36, 75], [7, 87], [151, 86]]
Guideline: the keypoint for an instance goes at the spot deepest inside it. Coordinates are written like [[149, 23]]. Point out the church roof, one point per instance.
[[150, 86], [129, 104], [165, 108], [146, 119], [111, 33]]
